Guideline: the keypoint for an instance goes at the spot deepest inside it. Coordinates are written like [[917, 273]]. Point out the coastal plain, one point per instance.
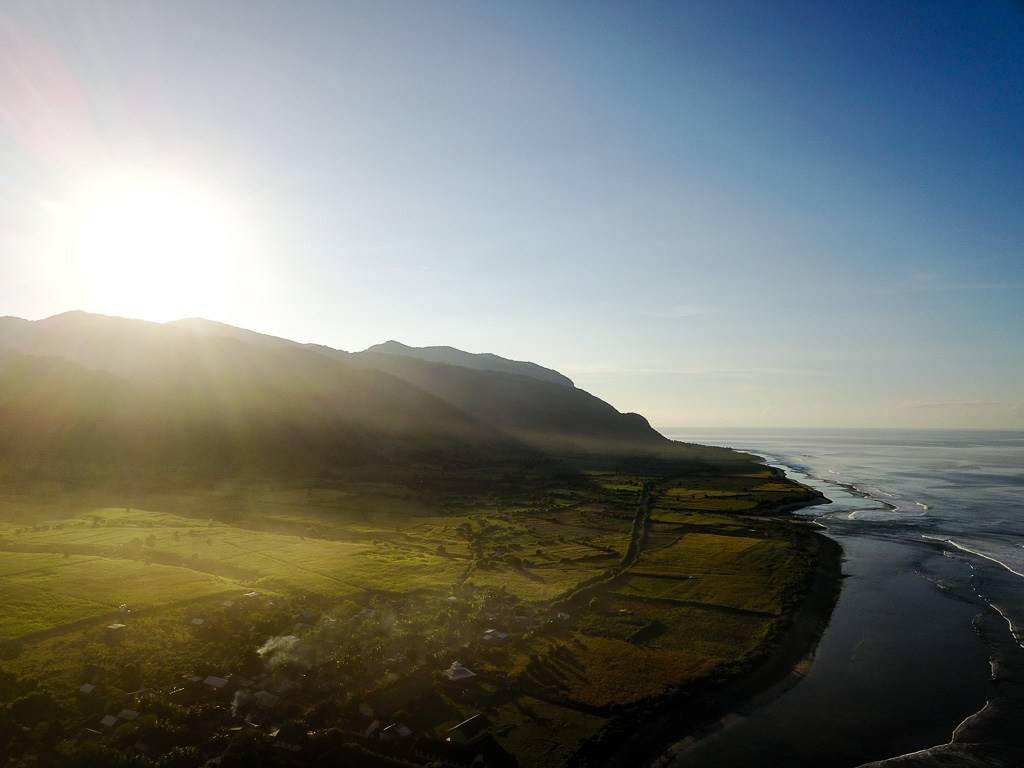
[[576, 607]]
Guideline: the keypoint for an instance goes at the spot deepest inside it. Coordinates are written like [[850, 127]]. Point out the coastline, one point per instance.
[[661, 733], [922, 642], [907, 684], [989, 737], [787, 662]]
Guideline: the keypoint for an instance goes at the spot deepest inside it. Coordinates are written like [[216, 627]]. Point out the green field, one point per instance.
[[611, 594], [41, 592]]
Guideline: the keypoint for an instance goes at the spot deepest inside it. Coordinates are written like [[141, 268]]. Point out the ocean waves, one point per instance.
[[951, 494]]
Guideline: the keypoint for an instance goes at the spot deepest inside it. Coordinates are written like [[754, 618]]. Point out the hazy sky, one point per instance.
[[717, 214]]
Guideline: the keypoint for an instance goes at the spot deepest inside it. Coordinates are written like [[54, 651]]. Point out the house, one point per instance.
[[127, 714], [216, 683], [395, 732], [495, 634], [108, 721], [458, 672], [115, 632], [469, 730], [87, 689], [197, 622]]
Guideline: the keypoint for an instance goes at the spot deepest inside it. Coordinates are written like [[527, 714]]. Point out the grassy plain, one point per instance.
[[614, 592]]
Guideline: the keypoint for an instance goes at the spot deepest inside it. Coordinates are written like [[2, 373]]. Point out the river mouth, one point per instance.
[[897, 669]]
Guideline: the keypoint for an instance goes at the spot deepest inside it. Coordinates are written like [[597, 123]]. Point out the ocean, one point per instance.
[[923, 656]]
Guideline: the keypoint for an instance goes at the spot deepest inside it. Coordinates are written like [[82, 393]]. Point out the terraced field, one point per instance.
[[147, 557], [609, 596]]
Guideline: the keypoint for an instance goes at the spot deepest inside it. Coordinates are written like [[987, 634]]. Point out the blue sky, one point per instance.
[[717, 214]]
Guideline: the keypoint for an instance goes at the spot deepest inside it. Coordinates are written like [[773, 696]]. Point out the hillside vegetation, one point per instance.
[[482, 361], [328, 533], [88, 399]]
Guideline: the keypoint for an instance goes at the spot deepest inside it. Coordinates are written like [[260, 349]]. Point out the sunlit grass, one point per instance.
[[56, 590], [704, 596], [600, 671]]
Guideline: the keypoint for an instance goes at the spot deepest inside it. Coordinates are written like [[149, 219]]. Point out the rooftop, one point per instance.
[[469, 729], [458, 671]]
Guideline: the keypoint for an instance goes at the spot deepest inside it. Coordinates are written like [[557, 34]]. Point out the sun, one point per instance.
[[156, 246]]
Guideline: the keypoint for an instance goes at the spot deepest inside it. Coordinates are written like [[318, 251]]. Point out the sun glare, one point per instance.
[[156, 247]]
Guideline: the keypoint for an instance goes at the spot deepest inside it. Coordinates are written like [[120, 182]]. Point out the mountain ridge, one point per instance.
[[91, 396], [475, 360], [201, 395]]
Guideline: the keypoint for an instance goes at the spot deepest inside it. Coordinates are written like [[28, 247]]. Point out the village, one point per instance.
[[485, 639], [376, 684]]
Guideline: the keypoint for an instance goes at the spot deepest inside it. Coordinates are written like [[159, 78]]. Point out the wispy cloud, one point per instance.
[[954, 404], [676, 312], [940, 282], [598, 369]]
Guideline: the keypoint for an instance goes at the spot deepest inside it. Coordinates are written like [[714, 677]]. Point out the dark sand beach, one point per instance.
[[699, 713], [922, 663], [899, 661]]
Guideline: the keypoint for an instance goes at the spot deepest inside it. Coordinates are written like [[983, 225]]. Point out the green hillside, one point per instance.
[[87, 399], [199, 413], [551, 416]]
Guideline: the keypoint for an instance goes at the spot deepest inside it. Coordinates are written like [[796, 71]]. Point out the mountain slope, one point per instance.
[[482, 361], [94, 395], [548, 416], [105, 395], [11, 328], [553, 416]]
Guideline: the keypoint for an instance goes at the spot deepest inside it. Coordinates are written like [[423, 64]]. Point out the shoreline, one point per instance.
[[662, 732], [981, 734], [988, 737], [787, 661]]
